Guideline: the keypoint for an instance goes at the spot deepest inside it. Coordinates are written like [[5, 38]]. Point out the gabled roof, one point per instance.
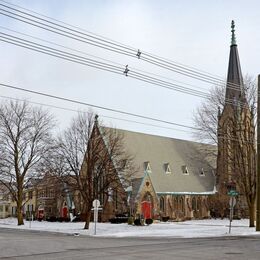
[[159, 150]]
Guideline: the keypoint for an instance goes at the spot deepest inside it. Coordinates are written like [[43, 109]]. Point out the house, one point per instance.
[[4, 202], [54, 200], [42, 199]]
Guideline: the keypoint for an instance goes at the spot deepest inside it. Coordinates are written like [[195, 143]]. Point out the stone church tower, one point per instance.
[[235, 131]]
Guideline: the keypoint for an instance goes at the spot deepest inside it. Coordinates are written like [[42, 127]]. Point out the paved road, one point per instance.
[[16, 244]]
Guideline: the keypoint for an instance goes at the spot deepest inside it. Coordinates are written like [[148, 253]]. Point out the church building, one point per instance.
[[236, 139]]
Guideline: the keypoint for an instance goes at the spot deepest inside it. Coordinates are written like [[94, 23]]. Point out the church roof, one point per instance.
[[234, 87], [174, 166]]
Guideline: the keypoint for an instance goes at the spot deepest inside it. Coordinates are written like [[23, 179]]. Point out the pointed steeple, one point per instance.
[[234, 87]]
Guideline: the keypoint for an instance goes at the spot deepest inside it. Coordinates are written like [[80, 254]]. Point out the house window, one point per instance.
[[147, 167], [42, 194], [13, 211], [185, 169], [167, 168]]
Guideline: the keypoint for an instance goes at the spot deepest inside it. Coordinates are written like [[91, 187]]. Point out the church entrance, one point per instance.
[[64, 210], [147, 206], [147, 209]]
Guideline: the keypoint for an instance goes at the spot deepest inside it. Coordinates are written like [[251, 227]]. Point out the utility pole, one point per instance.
[[258, 159]]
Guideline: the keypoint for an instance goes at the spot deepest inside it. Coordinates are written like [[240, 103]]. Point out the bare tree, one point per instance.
[[25, 136], [238, 139], [97, 163], [205, 117], [245, 157]]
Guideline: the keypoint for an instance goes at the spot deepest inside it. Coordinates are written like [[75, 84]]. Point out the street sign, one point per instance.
[[232, 193], [96, 203]]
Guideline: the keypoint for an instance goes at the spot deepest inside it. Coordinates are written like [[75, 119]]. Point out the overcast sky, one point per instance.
[[193, 33]]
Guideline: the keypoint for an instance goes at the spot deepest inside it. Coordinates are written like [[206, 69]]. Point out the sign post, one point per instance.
[[232, 203], [258, 159], [30, 216], [95, 204]]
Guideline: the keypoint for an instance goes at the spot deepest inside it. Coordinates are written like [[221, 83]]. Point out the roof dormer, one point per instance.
[[167, 169], [147, 167]]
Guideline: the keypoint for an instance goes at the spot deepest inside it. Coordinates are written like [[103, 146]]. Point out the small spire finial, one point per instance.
[[233, 37]]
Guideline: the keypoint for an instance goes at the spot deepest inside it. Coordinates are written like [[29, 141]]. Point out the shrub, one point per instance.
[[130, 221], [137, 222], [66, 219], [51, 219], [149, 221], [165, 219], [60, 219], [118, 220]]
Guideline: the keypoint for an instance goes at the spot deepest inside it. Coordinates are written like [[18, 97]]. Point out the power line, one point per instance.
[[180, 69], [96, 106], [106, 66], [94, 56], [60, 45], [73, 30], [140, 77], [155, 60], [97, 64], [64, 23], [104, 116], [65, 33], [128, 120], [59, 54]]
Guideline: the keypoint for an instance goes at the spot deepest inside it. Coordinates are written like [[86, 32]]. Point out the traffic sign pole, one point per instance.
[[96, 205], [232, 203]]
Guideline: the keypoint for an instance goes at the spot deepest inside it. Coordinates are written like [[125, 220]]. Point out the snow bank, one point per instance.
[[187, 229]]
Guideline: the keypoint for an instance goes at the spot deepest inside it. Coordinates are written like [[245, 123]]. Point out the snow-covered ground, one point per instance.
[[193, 228]]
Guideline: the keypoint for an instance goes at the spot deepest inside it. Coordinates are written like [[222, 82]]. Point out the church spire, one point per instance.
[[234, 87]]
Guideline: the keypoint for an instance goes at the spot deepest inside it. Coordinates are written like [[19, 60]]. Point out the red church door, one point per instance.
[[64, 212], [147, 209]]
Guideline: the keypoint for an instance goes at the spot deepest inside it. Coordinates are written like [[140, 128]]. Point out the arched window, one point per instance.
[[181, 203], [194, 204], [175, 203], [199, 204], [162, 204]]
